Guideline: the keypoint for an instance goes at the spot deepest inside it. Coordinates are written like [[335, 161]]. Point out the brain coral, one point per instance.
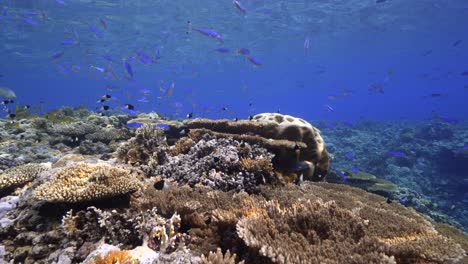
[[87, 182], [297, 145], [17, 176]]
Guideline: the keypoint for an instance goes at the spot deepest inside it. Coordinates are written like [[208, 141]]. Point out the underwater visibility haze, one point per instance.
[[206, 131]]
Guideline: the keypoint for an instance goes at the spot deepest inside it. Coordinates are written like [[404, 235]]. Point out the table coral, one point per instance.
[[20, 175], [88, 182], [310, 223]]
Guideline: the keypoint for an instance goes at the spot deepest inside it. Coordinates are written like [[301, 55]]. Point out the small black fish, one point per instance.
[[12, 116], [129, 106], [224, 108], [5, 102], [190, 115], [102, 100], [106, 96], [235, 119], [389, 201], [250, 117], [456, 43], [105, 107], [26, 107], [159, 185]]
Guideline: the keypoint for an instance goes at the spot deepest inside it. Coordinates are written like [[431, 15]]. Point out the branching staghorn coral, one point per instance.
[[219, 258], [83, 182], [160, 234]]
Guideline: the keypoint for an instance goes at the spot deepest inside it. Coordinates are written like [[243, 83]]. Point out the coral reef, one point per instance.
[[88, 182], [207, 191]]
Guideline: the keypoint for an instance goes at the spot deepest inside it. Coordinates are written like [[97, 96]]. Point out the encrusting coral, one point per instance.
[[20, 175], [88, 182]]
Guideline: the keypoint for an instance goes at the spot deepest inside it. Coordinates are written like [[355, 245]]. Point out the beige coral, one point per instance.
[[219, 258], [88, 182], [20, 175]]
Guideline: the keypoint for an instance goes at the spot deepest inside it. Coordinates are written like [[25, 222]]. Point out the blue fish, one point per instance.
[[128, 111], [244, 51], [68, 42], [239, 6], [396, 154], [255, 61], [143, 58], [355, 170], [95, 30], [57, 55], [5, 12], [134, 124], [128, 69], [349, 155], [342, 176], [209, 33], [30, 21], [162, 126], [103, 23], [223, 50], [60, 2]]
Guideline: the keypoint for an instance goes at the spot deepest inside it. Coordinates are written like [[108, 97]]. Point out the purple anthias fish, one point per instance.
[[30, 21], [396, 154], [255, 61], [244, 51], [239, 6], [209, 33]]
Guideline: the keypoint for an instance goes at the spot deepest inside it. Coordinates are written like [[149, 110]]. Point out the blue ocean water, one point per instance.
[[415, 49], [321, 60]]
